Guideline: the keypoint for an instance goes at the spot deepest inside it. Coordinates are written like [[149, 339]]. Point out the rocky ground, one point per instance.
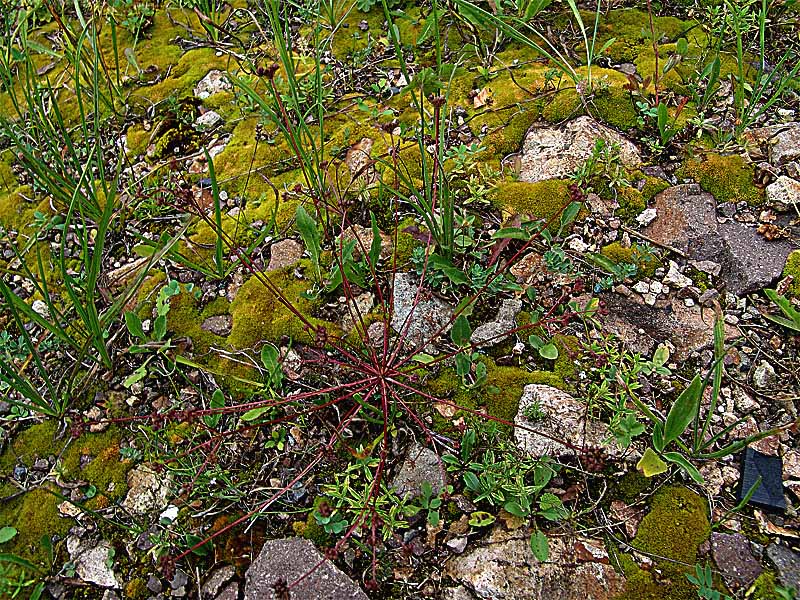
[[524, 475]]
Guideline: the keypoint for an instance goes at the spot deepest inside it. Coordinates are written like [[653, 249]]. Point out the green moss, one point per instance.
[[631, 203], [631, 30], [653, 186], [259, 316], [95, 458], [792, 269], [727, 178], [137, 139], [136, 589], [646, 262], [38, 441], [609, 101], [673, 529], [541, 199], [501, 392], [34, 515], [764, 587], [630, 485]]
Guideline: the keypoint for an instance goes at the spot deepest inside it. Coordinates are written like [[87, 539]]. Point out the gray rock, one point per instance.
[[214, 82], [555, 152], [564, 421], [417, 313], [290, 559], [784, 190], [754, 262], [90, 560], [787, 564], [218, 325], [687, 221], [779, 143], [230, 592], [734, 559], [421, 464], [643, 327], [208, 120], [218, 578], [147, 490], [284, 254], [154, 584], [494, 332], [764, 376], [505, 569]]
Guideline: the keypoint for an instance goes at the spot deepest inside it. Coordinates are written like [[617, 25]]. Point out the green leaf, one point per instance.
[[203, 550], [515, 509], [549, 351], [375, 248], [139, 374], [514, 233], [683, 411], [680, 460], [159, 327], [6, 534], [682, 46], [540, 546], [461, 332], [217, 402], [254, 413], [471, 481], [307, 227], [569, 214], [661, 355], [663, 117], [481, 518], [651, 464], [134, 325], [423, 358]]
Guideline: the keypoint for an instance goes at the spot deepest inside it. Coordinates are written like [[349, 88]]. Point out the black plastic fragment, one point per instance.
[[769, 494]]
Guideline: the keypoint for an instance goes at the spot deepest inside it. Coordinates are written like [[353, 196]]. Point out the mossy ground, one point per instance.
[[727, 178], [671, 533], [792, 270]]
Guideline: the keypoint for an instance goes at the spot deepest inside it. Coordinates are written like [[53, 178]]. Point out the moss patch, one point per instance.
[[727, 178], [258, 315], [792, 269], [673, 529], [644, 261], [541, 199]]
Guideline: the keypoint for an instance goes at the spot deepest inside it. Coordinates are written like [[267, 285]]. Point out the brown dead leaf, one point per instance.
[[482, 98], [446, 410], [768, 527]]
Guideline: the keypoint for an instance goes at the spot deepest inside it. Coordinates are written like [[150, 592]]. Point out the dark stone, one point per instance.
[[288, 560], [218, 325], [769, 494], [734, 559], [754, 262], [787, 564], [154, 584]]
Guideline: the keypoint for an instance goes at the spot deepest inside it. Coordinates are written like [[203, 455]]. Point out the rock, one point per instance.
[[505, 569], [218, 325], [364, 237], [284, 254], [208, 120], [214, 583], [564, 419], [230, 592], [421, 464], [642, 327], [779, 143], [417, 313], [555, 152], [359, 306], [213, 83], [787, 564], [40, 308], [494, 332], [90, 559], [675, 278], [288, 560], [754, 262], [687, 221], [647, 216], [764, 376], [791, 465], [784, 190], [154, 584], [734, 559], [457, 544], [147, 490]]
